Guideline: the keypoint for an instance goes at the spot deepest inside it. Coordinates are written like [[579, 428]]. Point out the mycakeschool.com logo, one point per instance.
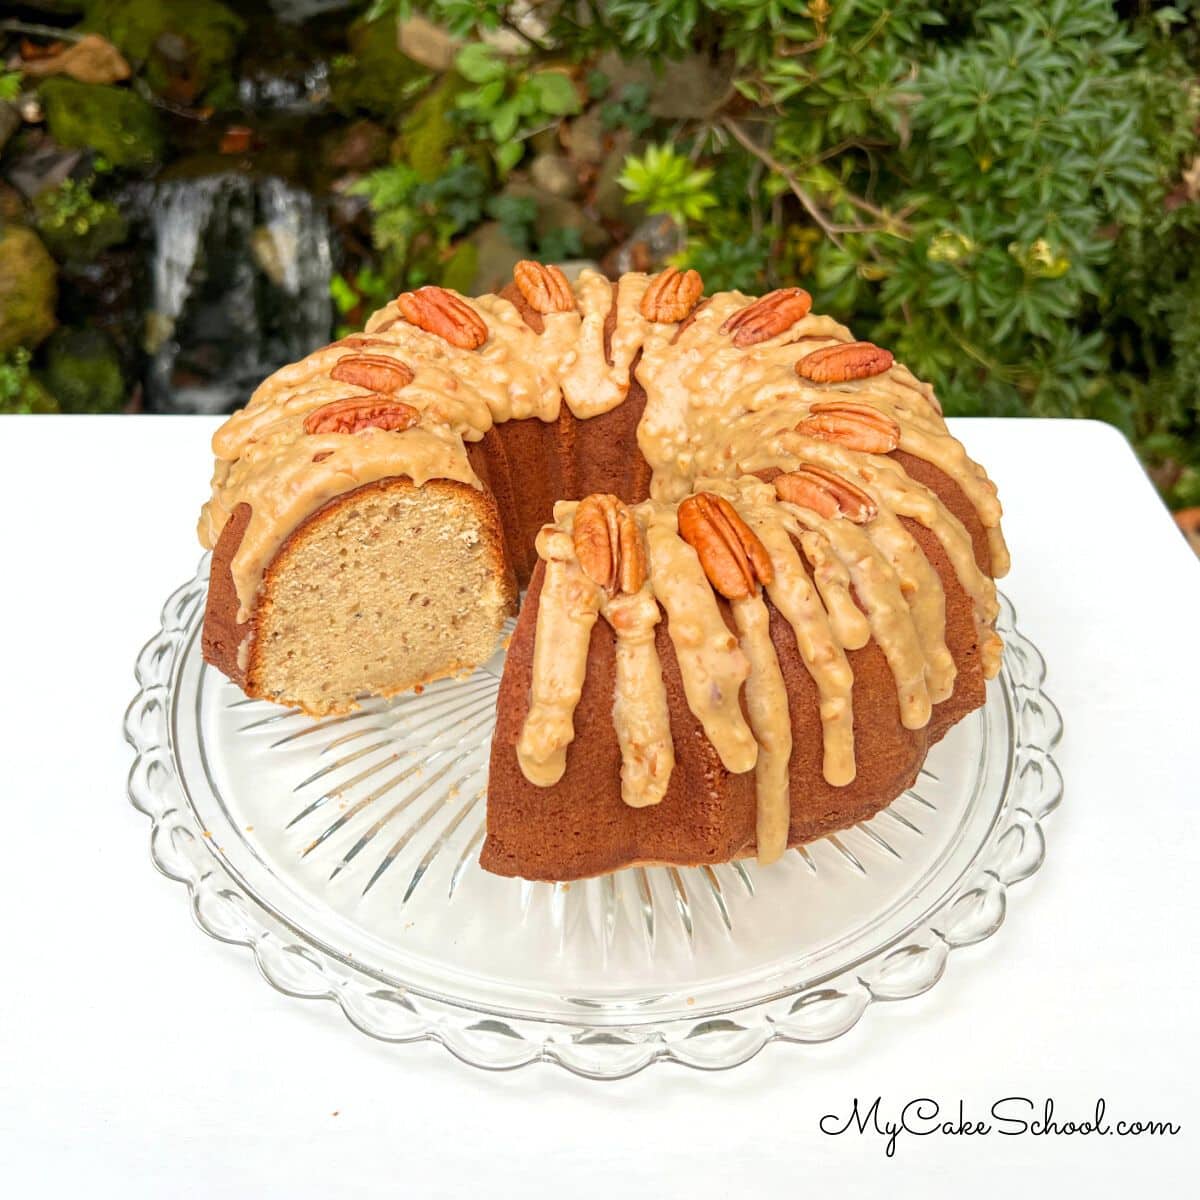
[[1012, 1116]]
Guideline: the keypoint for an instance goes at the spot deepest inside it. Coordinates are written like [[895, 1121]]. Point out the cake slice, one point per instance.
[[381, 590]]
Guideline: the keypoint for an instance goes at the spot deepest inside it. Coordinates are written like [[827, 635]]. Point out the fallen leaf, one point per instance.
[[92, 59], [237, 139], [34, 50]]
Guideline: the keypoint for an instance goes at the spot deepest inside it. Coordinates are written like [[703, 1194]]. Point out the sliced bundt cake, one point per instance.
[[760, 567]]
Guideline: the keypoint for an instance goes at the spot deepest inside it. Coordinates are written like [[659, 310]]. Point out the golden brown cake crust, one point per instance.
[[582, 827], [222, 633]]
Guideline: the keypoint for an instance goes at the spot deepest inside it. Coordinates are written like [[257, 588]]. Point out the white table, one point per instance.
[[139, 1057]]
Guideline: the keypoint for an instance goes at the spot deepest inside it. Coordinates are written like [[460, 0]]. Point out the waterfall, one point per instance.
[[240, 286], [294, 12], [303, 89]]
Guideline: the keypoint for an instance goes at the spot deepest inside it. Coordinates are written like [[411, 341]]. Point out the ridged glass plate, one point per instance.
[[344, 852]]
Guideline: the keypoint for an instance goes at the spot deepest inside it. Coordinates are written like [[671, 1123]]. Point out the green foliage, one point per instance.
[[663, 181], [557, 245], [730, 265], [415, 220], [20, 392], [508, 103], [628, 109], [10, 85], [516, 216], [74, 224], [1020, 126], [355, 296], [461, 17]]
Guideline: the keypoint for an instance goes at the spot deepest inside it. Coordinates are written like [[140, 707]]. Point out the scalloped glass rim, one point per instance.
[[595, 1030]]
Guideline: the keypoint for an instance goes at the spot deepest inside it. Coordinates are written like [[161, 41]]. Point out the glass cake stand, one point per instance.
[[344, 853]]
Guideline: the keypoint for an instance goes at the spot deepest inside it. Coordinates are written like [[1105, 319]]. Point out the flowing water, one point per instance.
[[240, 277], [295, 12]]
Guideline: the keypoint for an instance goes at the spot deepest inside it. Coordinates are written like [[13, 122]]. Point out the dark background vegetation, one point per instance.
[[1006, 194]]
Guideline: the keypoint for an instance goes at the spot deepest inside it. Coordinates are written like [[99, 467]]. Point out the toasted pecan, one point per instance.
[[845, 361], [545, 288], [826, 493], [439, 311], [375, 372], [672, 295], [353, 414], [609, 544], [733, 558], [768, 316], [855, 426]]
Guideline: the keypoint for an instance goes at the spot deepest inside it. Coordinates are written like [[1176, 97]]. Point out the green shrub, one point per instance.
[[74, 224], [20, 392]]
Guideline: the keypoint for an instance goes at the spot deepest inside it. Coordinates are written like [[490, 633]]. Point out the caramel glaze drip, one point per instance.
[[640, 715], [571, 602], [717, 417]]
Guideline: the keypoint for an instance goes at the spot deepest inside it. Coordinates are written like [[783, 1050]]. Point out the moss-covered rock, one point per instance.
[[28, 289], [187, 46], [427, 132], [373, 76], [75, 226], [83, 371], [113, 121]]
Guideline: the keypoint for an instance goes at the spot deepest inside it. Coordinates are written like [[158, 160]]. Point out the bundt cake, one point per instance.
[[759, 567]]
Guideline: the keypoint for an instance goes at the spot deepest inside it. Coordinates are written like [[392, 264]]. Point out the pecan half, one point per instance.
[[826, 493], [545, 289], [768, 316], [672, 294], [849, 360], [609, 545], [441, 312], [375, 372], [353, 414], [733, 558], [855, 426]]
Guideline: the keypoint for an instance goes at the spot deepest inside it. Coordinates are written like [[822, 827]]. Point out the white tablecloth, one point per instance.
[[139, 1057]]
